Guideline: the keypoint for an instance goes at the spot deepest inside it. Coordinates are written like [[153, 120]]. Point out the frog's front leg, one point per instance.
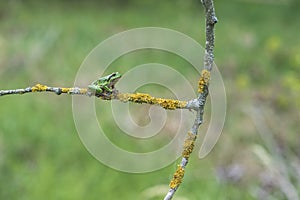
[[95, 89]]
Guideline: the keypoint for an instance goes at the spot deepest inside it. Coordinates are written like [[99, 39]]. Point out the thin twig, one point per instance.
[[211, 20], [44, 88], [140, 98]]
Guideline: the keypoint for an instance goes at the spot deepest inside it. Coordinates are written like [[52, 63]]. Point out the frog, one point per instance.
[[104, 85]]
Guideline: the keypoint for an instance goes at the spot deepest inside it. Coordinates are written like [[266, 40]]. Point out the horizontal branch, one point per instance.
[[44, 88], [169, 104]]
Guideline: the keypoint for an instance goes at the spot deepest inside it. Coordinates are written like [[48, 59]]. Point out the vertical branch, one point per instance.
[[211, 20], [188, 147]]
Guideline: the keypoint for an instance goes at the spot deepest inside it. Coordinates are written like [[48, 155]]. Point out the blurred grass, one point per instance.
[[257, 51]]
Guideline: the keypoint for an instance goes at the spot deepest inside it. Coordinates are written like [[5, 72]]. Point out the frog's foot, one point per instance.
[[106, 95]]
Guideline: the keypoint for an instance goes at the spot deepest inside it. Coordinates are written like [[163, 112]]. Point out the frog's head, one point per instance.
[[113, 78], [114, 75]]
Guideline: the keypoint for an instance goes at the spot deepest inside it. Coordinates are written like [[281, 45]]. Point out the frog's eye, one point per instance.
[[112, 75]]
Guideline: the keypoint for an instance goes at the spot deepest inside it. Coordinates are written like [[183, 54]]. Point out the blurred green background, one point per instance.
[[257, 51]]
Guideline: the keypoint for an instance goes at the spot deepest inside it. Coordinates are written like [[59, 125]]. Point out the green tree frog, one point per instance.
[[105, 84]]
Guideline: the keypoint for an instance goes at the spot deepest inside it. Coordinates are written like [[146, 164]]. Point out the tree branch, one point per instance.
[[168, 104], [195, 104], [211, 20]]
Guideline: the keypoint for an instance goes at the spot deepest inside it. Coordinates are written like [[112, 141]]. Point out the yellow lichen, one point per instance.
[[39, 88], [123, 97], [83, 91], [177, 177], [189, 145], [204, 80], [146, 98], [66, 90]]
